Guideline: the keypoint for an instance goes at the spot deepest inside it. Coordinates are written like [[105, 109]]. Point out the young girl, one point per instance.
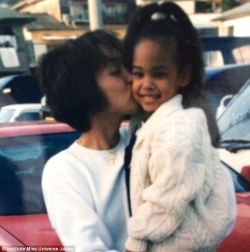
[[182, 198]]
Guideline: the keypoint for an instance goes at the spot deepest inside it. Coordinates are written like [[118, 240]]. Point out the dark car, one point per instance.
[[224, 50], [19, 89]]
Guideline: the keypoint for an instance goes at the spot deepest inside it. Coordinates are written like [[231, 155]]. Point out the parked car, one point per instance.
[[225, 80], [23, 88], [238, 240], [224, 50], [227, 61], [21, 112], [234, 127], [24, 149]]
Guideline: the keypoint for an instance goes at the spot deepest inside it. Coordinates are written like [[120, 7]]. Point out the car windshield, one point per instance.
[[234, 123], [21, 163], [6, 115]]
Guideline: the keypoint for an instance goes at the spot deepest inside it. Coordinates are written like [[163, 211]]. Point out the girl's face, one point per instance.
[[115, 82], [156, 77]]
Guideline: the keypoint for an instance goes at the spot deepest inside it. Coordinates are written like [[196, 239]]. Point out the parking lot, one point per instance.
[[26, 145]]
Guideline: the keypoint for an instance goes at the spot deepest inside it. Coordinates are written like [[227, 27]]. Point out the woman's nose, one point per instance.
[[129, 76]]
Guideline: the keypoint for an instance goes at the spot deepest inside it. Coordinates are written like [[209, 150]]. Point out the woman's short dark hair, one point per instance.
[[168, 24], [68, 77]]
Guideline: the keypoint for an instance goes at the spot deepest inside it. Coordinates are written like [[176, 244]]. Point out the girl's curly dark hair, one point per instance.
[[169, 25]]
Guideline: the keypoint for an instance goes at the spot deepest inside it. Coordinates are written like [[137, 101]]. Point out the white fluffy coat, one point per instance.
[[182, 197]]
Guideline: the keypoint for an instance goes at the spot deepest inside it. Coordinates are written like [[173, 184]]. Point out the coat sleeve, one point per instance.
[[176, 170]]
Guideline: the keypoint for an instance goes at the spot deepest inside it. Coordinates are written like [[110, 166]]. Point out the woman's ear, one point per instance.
[[186, 75]]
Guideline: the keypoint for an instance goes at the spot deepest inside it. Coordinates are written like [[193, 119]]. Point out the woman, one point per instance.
[[84, 186]]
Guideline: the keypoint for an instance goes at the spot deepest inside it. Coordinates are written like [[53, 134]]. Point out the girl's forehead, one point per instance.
[[161, 41], [165, 46], [157, 45], [154, 52]]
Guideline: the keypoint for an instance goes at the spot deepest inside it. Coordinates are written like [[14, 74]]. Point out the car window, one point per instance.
[[29, 116], [213, 58], [6, 115], [226, 49], [242, 55], [22, 160]]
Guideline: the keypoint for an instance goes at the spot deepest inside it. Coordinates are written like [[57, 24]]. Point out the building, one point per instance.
[[190, 6], [58, 20], [235, 21], [13, 47], [201, 13], [45, 33], [75, 12]]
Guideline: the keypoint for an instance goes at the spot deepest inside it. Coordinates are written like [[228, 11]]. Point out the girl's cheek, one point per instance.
[[134, 89]]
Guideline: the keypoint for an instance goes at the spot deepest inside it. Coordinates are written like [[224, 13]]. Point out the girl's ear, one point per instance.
[[186, 75]]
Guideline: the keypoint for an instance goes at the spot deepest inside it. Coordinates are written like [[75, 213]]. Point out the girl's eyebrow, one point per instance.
[[160, 67], [136, 67]]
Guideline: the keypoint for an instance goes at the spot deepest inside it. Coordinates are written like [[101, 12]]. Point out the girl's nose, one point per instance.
[[148, 83]]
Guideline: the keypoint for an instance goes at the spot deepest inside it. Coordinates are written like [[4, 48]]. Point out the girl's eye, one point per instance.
[[160, 74], [137, 74]]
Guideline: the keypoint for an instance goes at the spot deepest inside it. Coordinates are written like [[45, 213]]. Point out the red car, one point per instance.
[[24, 149], [238, 240]]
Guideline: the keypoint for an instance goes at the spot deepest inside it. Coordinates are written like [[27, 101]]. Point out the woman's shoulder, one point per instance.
[[59, 157], [61, 161]]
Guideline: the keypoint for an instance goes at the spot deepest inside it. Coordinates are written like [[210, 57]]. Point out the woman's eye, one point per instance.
[[116, 71]]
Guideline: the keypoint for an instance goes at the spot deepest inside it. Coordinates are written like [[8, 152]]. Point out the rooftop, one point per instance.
[[237, 12], [8, 15], [44, 21]]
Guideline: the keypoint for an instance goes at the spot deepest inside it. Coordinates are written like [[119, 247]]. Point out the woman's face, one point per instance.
[[156, 77], [115, 82]]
